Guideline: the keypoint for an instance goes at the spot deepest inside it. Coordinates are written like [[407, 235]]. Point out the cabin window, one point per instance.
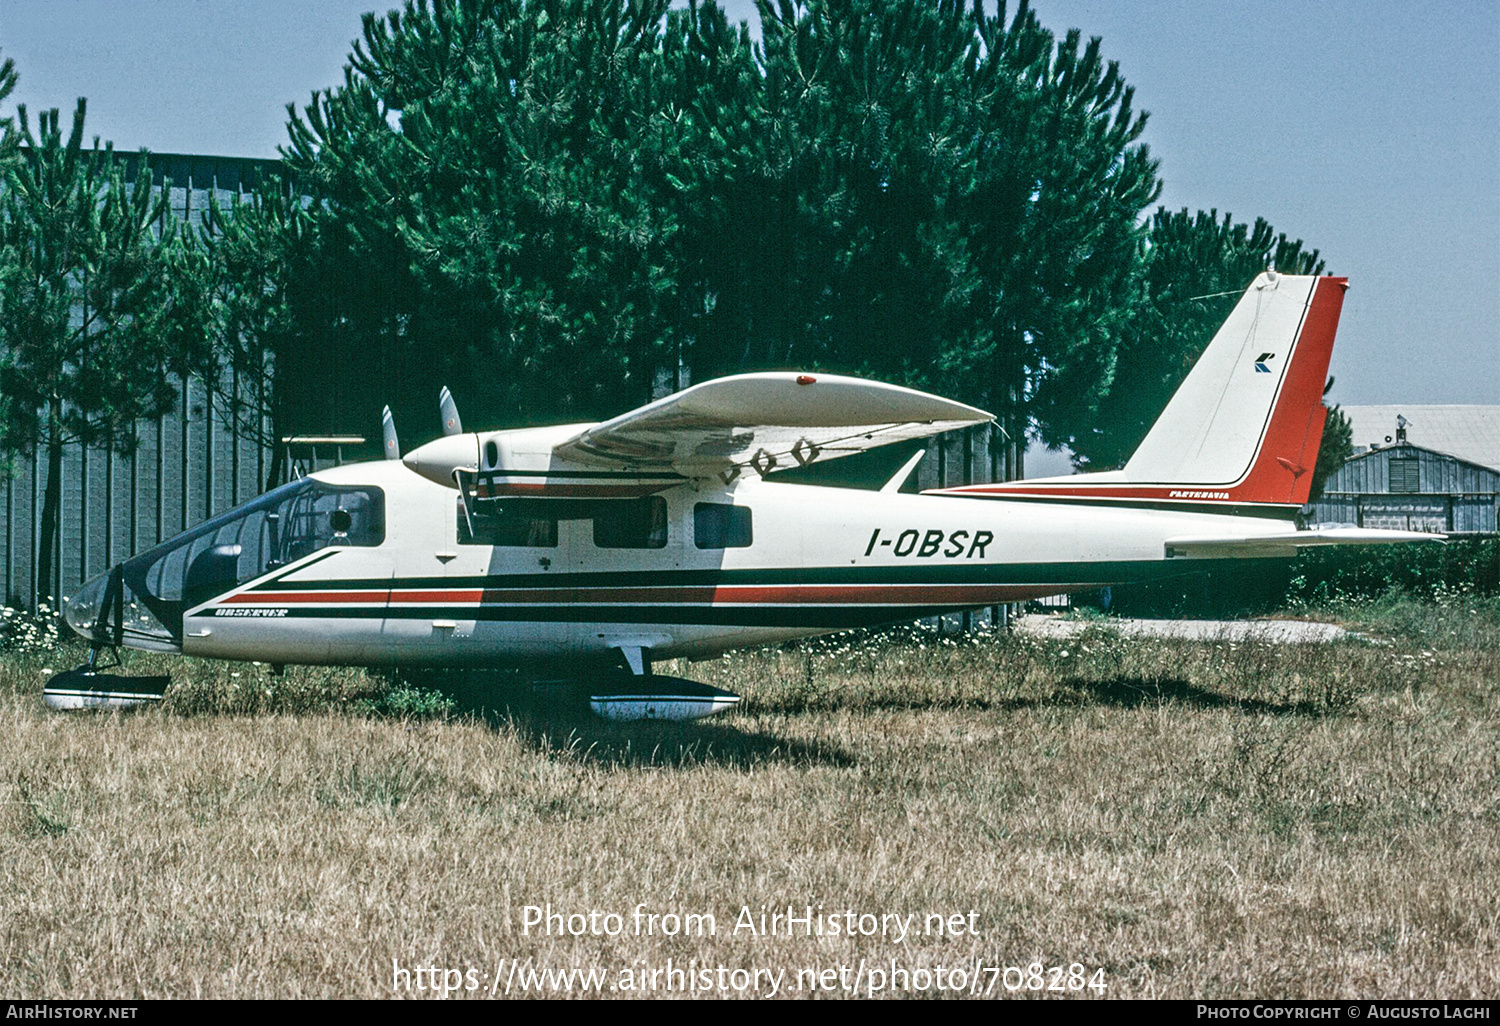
[[718, 525], [328, 515], [1405, 475], [631, 523], [497, 527]]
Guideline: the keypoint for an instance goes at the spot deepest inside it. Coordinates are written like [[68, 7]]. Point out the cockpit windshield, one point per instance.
[[279, 528]]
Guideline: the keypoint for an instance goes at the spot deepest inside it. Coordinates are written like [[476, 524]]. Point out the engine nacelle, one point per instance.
[[521, 464]]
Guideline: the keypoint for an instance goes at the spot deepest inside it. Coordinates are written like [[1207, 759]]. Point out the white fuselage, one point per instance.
[[818, 560]]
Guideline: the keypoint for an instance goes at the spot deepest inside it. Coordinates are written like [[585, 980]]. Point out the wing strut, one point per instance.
[[899, 477]]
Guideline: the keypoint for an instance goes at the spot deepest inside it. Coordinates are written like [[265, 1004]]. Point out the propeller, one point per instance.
[[448, 409], [442, 458], [388, 429]]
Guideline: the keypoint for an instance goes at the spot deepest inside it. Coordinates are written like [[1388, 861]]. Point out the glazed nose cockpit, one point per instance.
[[141, 602]]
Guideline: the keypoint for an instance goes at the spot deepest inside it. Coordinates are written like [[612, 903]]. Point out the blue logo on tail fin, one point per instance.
[[1260, 363]]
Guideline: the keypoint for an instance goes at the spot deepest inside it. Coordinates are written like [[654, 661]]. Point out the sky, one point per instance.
[[1370, 129]]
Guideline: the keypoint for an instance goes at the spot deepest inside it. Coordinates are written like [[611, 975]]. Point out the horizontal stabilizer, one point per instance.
[[765, 422], [1285, 543]]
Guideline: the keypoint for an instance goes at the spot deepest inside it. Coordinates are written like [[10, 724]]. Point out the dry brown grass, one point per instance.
[[1198, 819]]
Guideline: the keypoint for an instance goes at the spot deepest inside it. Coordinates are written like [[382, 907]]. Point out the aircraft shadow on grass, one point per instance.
[[1119, 692], [664, 744], [567, 728], [1136, 692]]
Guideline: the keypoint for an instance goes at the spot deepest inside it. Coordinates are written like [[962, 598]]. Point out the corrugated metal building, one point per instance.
[[1419, 468]]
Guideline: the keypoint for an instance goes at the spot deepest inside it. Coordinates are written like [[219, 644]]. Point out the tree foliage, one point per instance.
[[8, 79], [92, 333], [1335, 449], [489, 208], [255, 266], [556, 204]]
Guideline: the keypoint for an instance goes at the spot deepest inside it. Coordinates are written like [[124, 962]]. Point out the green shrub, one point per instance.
[[1427, 571], [407, 702]]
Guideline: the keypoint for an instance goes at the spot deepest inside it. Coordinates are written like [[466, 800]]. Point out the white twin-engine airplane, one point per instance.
[[659, 534]]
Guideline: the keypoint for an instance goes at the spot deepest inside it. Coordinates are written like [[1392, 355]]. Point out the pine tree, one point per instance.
[[92, 337], [1335, 448], [1063, 183], [492, 208], [931, 195], [554, 202], [256, 266]]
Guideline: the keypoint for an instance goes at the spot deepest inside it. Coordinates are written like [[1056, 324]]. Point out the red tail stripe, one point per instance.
[[1296, 425]]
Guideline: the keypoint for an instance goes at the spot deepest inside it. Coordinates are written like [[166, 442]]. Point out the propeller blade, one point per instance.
[[388, 429], [449, 411]]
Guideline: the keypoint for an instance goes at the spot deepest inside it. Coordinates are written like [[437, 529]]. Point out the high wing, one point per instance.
[[765, 421]]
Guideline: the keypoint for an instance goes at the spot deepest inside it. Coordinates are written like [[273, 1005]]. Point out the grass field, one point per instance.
[[1196, 819]]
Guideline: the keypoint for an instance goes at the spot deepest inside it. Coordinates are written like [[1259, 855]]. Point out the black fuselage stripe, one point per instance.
[[603, 475], [1040, 577], [719, 616]]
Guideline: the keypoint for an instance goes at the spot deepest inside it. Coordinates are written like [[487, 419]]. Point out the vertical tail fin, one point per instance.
[[1244, 426], [1249, 416]]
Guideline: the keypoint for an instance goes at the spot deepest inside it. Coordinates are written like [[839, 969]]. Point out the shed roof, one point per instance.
[[1471, 433]]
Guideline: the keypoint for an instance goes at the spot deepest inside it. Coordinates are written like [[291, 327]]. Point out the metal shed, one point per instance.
[[1418, 468]]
